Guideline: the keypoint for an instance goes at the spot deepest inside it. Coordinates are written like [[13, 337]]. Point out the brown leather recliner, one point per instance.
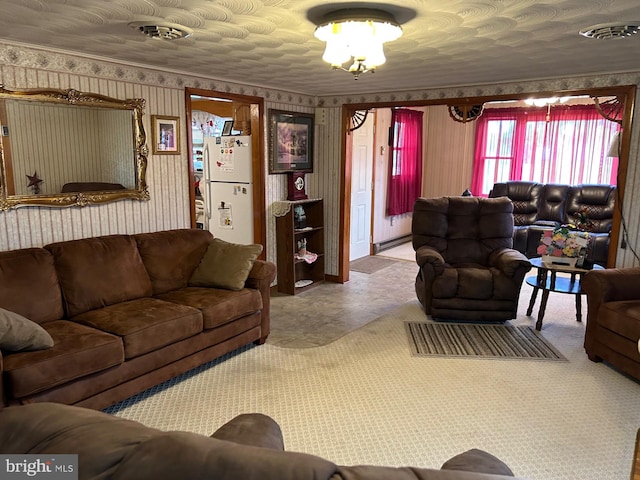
[[468, 268]]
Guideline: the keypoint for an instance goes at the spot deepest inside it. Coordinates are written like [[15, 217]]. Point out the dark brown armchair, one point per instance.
[[613, 318], [468, 268]]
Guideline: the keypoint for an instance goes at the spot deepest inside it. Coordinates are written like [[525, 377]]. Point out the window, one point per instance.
[[405, 164], [562, 144]]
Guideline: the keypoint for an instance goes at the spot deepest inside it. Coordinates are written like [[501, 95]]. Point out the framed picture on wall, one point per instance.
[[290, 141], [165, 135]]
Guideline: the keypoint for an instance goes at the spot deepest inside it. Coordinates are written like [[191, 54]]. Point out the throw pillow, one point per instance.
[[225, 265], [18, 333]]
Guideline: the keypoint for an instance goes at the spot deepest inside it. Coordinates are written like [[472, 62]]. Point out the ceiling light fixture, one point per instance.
[[164, 31], [357, 35], [543, 102], [608, 31]]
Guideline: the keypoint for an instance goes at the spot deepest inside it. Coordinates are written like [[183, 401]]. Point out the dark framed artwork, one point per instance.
[[290, 141], [228, 127]]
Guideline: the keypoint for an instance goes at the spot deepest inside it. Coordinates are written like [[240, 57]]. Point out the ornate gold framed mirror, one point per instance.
[[65, 147]]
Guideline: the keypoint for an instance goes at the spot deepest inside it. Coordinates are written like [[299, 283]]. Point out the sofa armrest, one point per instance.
[[509, 261], [255, 429], [612, 284], [479, 461], [261, 277], [428, 255], [262, 271], [602, 286]]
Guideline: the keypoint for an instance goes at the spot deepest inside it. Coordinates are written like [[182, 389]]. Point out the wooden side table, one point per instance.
[[548, 281]]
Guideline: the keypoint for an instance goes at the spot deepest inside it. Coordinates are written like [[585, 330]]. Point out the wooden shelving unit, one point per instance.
[[291, 268]]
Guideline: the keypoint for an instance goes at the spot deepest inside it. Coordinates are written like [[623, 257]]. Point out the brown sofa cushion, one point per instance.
[[18, 333], [225, 265], [218, 306], [170, 257], [145, 324], [26, 275], [77, 351], [100, 271]]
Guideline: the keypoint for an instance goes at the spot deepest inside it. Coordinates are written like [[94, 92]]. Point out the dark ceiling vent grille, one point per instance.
[[607, 31], [163, 31]]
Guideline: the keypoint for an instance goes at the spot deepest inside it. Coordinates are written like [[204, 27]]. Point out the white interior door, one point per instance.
[[361, 188]]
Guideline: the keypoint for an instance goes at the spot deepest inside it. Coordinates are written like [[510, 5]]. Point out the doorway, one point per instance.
[[362, 161], [214, 114], [624, 94]]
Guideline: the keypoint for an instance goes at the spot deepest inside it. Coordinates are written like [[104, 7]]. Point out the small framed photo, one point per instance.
[[228, 127], [165, 135], [290, 142]]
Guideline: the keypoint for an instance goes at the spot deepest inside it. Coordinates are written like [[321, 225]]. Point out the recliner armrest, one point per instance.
[[429, 255], [508, 261]]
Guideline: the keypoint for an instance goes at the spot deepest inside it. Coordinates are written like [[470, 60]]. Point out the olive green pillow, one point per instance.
[[225, 265], [18, 333]]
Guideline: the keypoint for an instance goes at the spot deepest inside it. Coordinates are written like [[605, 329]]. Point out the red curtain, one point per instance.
[[405, 165], [563, 144]]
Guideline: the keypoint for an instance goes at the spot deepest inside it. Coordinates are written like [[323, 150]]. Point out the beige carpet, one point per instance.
[[364, 399]]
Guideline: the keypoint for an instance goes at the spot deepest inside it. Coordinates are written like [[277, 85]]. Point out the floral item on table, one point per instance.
[[562, 242], [582, 221]]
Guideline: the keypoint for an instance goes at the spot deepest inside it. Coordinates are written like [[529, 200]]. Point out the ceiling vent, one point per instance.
[[607, 31], [165, 31]]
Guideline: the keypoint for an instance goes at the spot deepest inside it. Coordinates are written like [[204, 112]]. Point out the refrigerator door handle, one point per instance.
[[207, 199], [206, 169]]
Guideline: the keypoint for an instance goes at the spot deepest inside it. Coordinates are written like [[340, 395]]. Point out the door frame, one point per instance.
[[627, 92], [258, 154]]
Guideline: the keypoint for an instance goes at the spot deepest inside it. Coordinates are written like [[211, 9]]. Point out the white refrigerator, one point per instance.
[[228, 189]]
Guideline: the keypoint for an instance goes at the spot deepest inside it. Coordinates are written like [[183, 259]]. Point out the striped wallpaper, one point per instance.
[[167, 175]]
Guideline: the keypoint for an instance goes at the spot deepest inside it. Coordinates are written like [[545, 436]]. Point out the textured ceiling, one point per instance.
[[270, 43]]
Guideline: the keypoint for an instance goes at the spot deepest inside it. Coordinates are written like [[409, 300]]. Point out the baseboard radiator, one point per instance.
[[387, 244]]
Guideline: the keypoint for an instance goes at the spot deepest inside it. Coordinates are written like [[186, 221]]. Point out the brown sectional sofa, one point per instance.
[[538, 207], [249, 446], [122, 315]]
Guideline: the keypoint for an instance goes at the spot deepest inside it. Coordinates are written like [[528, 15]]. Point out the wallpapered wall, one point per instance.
[[25, 67], [167, 175]]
